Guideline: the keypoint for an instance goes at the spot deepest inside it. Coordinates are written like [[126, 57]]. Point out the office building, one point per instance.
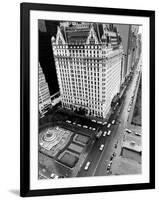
[[44, 94]]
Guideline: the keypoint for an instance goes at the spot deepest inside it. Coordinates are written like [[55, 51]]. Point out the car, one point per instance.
[[108, 132], [139, 134], [93, 120], [74, 123], [85, 126], [132, 142], [104, 123], [54, 176], [68, 121], [104, 134], [114, 154], [108, 125], [108, 169], [128, 130], [129, 109], [99, 122], [111, 158], [93, 129], [113, 121], [109, 165], [87, 165], [79, 125], [90, 128], [101, 147]]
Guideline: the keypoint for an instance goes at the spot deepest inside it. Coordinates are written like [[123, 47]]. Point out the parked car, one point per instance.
[[109, 132], [104, 123], [54, 176], [113, 121], [85, 126], [93, 129], [139, 134], [108, 125], [104, 134], [132, 142], [99, 122], [68, 121], [111, 158], [109, 165], [79, 125], [114, 154], [87, 165], [101, 147], [128, 130]]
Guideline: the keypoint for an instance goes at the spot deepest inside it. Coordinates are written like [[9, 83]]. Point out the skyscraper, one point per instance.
[[44, 94], [46, 31], [132, 47], [88, 60], [124, 31]]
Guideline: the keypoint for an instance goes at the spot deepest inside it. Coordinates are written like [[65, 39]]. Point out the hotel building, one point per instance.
[[44, 94], [88, 59]]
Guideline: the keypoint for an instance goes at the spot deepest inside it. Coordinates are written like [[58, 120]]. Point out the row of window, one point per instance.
[[44, 97], [77, 47], [85, 96]]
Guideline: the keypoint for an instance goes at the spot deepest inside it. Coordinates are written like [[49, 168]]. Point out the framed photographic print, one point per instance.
[[87, 99]]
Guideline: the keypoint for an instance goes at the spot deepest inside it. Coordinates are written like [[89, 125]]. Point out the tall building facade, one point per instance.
[[46, 31], [88, 60], [132, 47], [124, 31], [44, 94]]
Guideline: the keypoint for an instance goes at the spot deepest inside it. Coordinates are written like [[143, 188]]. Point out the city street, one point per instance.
[[96, 104], [100, 159]]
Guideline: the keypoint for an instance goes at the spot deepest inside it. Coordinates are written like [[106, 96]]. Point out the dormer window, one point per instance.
[[92, 41], [59, 41]]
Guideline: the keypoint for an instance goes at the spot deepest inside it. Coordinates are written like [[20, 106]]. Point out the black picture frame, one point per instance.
[[25, 9]]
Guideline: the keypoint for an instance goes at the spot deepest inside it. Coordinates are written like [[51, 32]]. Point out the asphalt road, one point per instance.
[[100, 159]]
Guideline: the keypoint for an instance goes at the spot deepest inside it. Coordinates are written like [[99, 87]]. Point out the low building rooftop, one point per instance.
[[131, 145]]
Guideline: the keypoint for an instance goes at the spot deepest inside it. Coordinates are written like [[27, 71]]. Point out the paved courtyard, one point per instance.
[[64, 149]]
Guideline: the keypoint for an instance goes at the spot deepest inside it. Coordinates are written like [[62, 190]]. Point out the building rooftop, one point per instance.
[[76, 32], [132, 146], [77, 36]]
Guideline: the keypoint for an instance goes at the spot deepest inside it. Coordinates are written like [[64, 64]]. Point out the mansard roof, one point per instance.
[[77, 35], [78, 32]]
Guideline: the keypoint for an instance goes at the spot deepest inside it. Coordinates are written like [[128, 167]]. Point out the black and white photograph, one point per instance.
[[90, 94], [87, 99]]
